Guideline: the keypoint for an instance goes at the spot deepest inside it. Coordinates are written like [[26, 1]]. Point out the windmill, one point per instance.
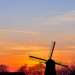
[[50, 63], [52, 49]]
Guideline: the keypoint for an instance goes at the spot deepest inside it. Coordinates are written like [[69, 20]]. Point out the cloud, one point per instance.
[[20, 31], [28, 48], [70, 47], [66, 18]]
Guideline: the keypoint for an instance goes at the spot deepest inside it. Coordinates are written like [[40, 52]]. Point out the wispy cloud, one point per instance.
[[28, 48], [19, 31], [65, 18], [70, 47]]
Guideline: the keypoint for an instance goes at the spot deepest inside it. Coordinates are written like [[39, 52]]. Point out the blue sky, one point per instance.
[[46, 17], [32, 8]]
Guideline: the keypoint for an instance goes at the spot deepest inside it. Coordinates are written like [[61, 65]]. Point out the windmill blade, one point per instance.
[[37, 58], [52, 49], [61, 63], [58, 63]]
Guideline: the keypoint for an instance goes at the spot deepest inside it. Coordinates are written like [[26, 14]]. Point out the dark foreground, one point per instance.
[[12, 73]]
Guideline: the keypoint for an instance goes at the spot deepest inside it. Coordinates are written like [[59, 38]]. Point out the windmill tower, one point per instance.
[[50, 63]]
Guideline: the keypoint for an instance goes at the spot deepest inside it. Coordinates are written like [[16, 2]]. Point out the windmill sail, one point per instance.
[[58, 63], [37, 58], [52, 49]]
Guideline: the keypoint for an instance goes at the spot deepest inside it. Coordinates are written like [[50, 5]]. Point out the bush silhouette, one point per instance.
[[3, 68]]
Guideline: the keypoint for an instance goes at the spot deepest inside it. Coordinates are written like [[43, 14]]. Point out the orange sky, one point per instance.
[[15, 49], [15, 55]]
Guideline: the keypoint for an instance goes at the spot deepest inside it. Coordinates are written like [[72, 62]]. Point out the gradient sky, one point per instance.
[[27, 27]]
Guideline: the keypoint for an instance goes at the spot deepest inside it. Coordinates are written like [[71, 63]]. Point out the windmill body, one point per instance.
[[50, 67]]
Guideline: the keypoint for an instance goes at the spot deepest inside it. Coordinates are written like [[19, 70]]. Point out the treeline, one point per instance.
[[38, 69]]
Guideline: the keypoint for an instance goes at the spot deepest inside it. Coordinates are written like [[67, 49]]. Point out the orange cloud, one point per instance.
[[71, 47], [27, 48]]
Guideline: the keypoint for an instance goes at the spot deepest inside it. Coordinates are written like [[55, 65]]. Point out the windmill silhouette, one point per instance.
[[50, 63]]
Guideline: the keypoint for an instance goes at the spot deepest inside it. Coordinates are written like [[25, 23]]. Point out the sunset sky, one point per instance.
[[27, 27]]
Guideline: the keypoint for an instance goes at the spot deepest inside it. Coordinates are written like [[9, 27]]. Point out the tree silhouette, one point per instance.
[[22, 68], [3, 68]]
